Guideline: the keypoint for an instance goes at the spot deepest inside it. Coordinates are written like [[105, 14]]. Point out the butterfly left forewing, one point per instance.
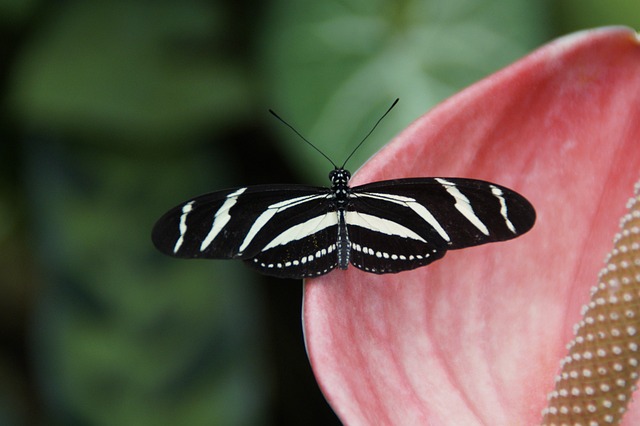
[[235, 223]]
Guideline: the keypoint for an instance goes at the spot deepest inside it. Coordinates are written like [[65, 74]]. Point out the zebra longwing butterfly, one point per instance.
[[298, 231]]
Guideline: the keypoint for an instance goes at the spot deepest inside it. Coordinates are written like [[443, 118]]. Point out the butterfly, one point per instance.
[[300, 231]]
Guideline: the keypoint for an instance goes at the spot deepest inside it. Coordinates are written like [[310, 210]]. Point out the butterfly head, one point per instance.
[[339, 177]]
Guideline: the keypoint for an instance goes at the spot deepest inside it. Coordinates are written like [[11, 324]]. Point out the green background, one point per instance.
[[113, 111]]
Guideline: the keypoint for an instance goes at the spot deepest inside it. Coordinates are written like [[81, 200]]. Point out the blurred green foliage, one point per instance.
[[334, 66], [114, 111]]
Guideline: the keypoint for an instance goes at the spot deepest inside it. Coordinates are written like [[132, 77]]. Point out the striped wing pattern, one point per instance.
[[293, 230], [281, 230], [425, 217]]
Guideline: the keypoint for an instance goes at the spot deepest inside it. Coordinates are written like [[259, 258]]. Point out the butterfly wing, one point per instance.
[[407, 223], [281, 230]]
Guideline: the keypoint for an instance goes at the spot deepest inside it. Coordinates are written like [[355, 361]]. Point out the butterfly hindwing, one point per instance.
[[299, 242], [307, 255], [387, 235]]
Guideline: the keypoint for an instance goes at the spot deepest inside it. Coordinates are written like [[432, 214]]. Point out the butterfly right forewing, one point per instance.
[[403, 224]]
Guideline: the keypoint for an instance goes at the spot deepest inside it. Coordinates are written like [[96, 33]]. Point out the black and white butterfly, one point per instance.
[[298, 231]]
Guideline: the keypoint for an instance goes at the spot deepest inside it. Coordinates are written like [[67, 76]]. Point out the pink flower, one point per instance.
[[477, 337]]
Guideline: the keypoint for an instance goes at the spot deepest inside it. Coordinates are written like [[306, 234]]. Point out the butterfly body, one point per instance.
[[298, 231]]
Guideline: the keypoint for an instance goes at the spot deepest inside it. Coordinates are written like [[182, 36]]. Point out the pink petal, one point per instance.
[[476, 337]]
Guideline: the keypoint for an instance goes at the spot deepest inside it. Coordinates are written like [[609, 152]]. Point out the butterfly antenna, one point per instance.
[[302, 137], [370, 131]]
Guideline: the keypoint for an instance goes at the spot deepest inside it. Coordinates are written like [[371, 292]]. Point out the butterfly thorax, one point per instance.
[[340, 186]]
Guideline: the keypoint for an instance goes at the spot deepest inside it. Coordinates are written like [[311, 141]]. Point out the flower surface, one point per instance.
[[477, 337]]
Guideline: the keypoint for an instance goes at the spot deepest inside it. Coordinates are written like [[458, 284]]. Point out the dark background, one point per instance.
[[113, 111]]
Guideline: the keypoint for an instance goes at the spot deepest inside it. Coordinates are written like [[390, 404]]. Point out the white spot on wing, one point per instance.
[[463, 205], [503, 207], [186, 209], [221, 218]]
